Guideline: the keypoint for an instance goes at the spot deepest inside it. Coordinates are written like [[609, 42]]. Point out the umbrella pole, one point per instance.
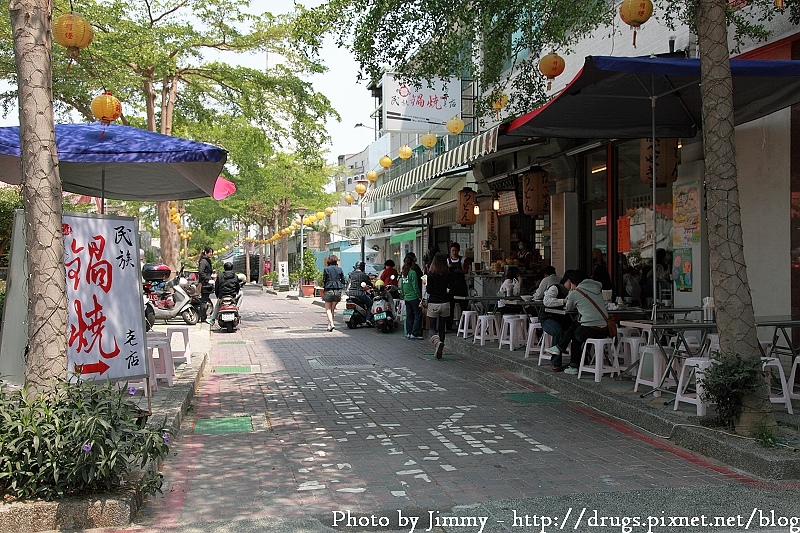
[[103, 191], [653, 178]]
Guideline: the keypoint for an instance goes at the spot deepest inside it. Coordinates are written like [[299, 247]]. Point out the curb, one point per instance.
[[736, 452], [103, 510]]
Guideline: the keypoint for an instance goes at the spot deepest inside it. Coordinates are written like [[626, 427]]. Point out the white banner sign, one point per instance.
[[106, 331], [420, 109], [283, 273]]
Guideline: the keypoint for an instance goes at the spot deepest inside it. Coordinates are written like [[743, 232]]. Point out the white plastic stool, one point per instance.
[[601, 348], [486, 330], [784, 397], [628, 348], [142, 385], [652, 353], [467, 323], [544, 343], [693, 366], [533, 341], [164, 367], [512, 332], [792, 377], [186, 353]]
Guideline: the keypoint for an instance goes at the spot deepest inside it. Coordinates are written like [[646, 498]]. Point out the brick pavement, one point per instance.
[[359, 420]]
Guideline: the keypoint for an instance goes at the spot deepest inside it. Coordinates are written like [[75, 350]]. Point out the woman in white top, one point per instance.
[[510, 289]]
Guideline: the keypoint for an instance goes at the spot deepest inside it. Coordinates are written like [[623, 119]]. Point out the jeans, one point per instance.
[[413, 318], [577, 335]]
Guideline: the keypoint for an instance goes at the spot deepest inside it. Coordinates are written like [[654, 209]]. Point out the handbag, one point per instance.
[[610, 324]]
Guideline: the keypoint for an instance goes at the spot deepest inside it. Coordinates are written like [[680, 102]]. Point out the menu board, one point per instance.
[[508, 203]]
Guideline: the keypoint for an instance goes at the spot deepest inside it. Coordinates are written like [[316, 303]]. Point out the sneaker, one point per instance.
[[210, 321], [439, 348], [415, 337], [571, 370], [408, 336], [554, 350]]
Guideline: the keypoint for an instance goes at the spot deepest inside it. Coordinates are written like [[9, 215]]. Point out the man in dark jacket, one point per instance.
[[204, 273], [228, 284]]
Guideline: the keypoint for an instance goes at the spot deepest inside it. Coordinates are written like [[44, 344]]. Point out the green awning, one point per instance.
[[409, 235]]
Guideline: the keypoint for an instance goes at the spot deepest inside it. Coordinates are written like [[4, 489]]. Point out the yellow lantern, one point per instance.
[[320, 215], [73, 32], [551, 66], [385, 161], [360, 189], [372, 176], [349, 198], [312, 218], [329, 211], [455, 125], [173, 210], [634, 13], [106, 108], [499, 101], [428, 140], [404, 152]]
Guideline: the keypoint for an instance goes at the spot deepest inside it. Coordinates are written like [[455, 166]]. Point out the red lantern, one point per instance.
[[635, 13], [551, 66], [465, 212]]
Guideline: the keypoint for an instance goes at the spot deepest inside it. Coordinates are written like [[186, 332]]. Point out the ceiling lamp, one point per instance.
[[551, 66], [329, 211], [428, 140], [404, 152], [349, 198], [499, 101], [372, 176], [455, 125], [106, 108], [634, 13], [73, 32], [360, 189], [385, 161]]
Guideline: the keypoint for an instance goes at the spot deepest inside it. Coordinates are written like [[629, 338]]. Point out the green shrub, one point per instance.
[[728, 381], [76, 439]]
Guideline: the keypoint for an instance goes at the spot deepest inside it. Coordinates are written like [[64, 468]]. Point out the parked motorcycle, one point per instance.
[[383, 312], [167, 296], [354, 313]]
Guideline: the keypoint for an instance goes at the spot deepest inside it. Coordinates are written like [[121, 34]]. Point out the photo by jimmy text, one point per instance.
[[419, 522]]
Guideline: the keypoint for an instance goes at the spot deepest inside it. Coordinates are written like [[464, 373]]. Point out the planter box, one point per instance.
[[308, 290]]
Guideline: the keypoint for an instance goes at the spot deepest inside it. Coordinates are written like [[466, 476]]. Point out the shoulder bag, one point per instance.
[[610, 324]]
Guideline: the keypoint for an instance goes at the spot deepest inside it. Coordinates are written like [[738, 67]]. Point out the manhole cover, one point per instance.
[[222, 369], [218, 426], [336, 361], [531, 397]]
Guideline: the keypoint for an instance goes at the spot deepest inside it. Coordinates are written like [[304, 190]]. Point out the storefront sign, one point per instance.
[[283, 273], [623, 234], [535, 192], [665, 163], [106, 331], [421, 109], [508, 203]]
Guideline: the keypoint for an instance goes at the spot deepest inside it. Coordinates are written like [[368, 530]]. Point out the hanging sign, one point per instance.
[[106, 328], [665, 161], [623, 234], [465, 211], [508, 203], [535, 192]]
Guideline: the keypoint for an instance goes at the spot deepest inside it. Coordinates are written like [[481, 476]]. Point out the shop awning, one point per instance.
[[369, 229], [479, 146], [406, 236], [612, 97], [436, 191]]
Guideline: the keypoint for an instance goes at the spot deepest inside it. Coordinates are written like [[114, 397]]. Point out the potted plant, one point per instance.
[[309, 273], [270, 278]]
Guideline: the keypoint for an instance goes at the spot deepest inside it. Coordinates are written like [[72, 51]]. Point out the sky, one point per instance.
[[351, 100]]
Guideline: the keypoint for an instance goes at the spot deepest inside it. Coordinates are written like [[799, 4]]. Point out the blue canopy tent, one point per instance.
[[653, 97], [123, 163]]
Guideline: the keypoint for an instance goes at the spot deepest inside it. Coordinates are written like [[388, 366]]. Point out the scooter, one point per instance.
[[355, 314], [149, 313], [169, 300], [228, 315], [383, 313]]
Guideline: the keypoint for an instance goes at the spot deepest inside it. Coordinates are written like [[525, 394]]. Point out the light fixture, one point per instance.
[[495, 201], [583, 148], [476, 210], [601, 168]]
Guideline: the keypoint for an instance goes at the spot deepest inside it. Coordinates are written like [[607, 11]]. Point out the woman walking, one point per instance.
[[438, 286], [410, 287], [333, 283]]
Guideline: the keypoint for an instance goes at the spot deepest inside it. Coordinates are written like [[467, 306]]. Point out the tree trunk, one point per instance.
[[734, 305], [46, 356]]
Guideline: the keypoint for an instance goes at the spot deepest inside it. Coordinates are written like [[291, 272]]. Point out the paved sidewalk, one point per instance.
[[293, 424]]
